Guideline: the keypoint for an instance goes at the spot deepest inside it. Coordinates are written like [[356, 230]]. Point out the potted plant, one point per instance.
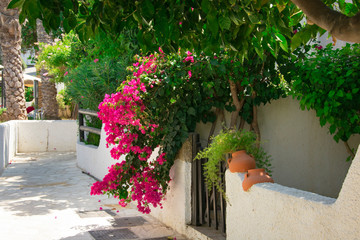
[[237, 143]]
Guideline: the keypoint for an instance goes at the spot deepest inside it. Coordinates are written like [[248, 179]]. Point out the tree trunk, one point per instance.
[[10, 37], [238, 104], [340, 26], [48, 89]]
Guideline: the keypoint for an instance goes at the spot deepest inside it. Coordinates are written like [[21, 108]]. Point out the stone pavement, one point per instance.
[[44, 196]]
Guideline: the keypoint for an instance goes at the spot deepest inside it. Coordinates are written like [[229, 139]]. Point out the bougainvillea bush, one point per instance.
[[137, 121], [153, 112]]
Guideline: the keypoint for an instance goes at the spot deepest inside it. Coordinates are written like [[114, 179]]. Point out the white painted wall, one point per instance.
[[304, 155], [95, 160], [46, 135], [35, 136], [271, 211]]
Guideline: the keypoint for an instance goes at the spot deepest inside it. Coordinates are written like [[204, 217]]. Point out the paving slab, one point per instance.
[[44, 196]]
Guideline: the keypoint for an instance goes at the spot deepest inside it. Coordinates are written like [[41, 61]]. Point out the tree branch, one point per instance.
[[213, 125], [340, 26], [238, 104], [348, 149]]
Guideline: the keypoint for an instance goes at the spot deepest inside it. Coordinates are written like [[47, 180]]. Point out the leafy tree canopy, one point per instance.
[[207, 25]]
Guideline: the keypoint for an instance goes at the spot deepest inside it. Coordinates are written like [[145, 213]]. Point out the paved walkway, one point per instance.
[[45, 196]]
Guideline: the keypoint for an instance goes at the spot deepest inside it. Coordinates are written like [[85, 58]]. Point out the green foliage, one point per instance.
[[29, 94], [63, 99], [57, 58], [28, 37], [209, 26], [89, 82], [328, 82], [2, 110], [185, 92], [230, 141]]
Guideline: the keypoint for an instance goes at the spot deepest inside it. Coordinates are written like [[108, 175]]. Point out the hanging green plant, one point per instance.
[[230, 141]]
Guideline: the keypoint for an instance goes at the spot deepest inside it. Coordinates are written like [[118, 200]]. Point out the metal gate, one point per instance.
[[208, 206]]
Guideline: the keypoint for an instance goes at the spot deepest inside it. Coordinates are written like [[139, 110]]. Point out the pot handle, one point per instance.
[[229, 160], [246, 176]]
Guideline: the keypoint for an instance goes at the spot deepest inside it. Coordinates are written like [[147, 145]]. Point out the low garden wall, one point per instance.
[[46, 136], [272, 211], [94, 160], [7, 143], [36, 136]]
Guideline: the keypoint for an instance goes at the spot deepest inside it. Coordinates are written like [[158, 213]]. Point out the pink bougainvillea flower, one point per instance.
[[295, 31], [160, 50], [66, 73], [45, 74], [71, 80], [190, 74], [319, 47], [136, 64], [192, 9], [180, 23], [99, 200], [82, 96], [96, 60], [100, 208]]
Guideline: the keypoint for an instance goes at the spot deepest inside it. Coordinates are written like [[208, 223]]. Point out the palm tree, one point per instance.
[[48, 88], [10, 37]]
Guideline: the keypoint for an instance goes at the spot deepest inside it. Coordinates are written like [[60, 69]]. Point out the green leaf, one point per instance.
[[224, 23], [68, 4], [213, 23], [283, 41], [253, 17], [205, 6], [22, 16], [322, 121], [148, 8], [296, 41], [332, 129], [340, 93], [191, 111], [331, 93], [16, 4]]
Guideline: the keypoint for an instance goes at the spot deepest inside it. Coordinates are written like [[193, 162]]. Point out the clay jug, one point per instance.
[[241, 162], [255, 176]]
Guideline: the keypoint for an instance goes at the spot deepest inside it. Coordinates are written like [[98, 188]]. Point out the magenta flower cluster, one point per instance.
[[132, 131], [124, 122]]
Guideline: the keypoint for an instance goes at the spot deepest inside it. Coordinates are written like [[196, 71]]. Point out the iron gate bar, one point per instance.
[[208, 206]]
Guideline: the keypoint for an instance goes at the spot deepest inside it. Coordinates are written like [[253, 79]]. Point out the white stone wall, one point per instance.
[[271, 211], [46, 135]]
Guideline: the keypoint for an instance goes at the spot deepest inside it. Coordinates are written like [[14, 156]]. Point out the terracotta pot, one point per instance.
[[255, 176], [241, 162]]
